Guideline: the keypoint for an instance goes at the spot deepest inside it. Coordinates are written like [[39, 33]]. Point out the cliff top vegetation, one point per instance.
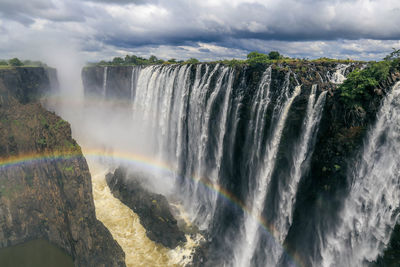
[[362, 84], [16, 62], [253, 58]]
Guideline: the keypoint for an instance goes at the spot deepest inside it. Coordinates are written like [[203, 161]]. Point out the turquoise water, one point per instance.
[[36, 253]]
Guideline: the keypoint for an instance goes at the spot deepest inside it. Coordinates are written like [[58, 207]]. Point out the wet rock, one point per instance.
[[152, 209], [45, 190]]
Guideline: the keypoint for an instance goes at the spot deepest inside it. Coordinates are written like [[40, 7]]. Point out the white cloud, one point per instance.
[[205, 29]]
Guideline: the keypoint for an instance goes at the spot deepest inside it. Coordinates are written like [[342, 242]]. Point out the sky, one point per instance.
[[204, 29]]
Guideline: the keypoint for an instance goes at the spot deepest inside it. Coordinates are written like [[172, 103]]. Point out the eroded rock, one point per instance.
[[152, 209]]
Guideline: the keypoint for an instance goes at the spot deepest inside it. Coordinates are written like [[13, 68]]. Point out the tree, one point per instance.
[[192, 61], [153, 59], [255, 54], [274, 55], [3, 63], [117, 61], [172, 60], [15, 62], [254, 58]]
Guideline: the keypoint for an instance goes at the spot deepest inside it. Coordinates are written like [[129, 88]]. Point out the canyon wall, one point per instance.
[[45, 184]]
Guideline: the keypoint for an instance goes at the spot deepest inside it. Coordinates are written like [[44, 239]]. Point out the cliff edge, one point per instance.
[[45, 184]]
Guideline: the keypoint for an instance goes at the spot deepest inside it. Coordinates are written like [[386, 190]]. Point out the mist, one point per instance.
[[105, 129]]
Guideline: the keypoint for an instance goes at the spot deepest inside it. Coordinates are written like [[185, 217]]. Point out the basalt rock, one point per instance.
[[323, 186], [152, 209], [45, 184]]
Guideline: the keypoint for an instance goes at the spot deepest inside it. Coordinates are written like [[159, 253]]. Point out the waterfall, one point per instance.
[[256, 201], [370, 210], [105, 81], [338, 76], [235, 137], [214, 172], [134, 78], [180, 120], [288, 188], [301, 152]]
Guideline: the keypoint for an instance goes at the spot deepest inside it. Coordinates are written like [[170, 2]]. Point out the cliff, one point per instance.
[[45, 184], [152, 209], [28, 84], [323, 187]]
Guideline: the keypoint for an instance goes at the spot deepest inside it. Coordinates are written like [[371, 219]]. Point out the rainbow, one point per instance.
[[37, 158]]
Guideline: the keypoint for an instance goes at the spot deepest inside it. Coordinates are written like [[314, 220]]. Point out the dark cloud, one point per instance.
[[26, 12], [124, 2], [236, 25]]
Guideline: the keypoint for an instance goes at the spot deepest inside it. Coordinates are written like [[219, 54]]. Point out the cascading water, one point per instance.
[[283, 218], [338, 77], [105, 81], [215, 127], [256, 200], [301, 152], [371, 210], [164, 100], [134, 78]]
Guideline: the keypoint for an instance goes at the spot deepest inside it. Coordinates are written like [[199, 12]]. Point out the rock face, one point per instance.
[[28, 83], [118, 78], [153, 209], [44, 195], [324, 186]]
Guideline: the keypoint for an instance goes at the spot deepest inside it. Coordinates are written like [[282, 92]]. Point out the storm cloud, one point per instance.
[[208, 29]]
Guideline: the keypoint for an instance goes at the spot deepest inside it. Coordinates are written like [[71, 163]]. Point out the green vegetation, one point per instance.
[[359, 86], [41, 141], [43, 121], [16, 62], [253, 59], [68, 168], [192, 61], [332, 60], [257, 58], [58, 124], [30, 63], [274, 55], [132, 60]]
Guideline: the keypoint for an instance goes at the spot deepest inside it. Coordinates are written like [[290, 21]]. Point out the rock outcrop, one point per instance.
[[152, 209], [45, 184]]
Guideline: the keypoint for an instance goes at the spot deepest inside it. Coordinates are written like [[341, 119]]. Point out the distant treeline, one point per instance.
[[15, 62], [152, 60], [253, 58]]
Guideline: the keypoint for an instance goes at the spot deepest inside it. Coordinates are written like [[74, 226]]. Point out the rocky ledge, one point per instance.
[[45, 184], [153, 209]]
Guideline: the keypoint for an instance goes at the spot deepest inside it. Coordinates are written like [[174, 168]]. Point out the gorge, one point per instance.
[[258, 156], [265, 164]]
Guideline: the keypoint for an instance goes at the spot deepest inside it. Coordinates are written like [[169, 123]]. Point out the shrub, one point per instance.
[[15, 62], [254, 58], [360, 84], [153, 59], [117, 61], [192, 61], [274, 55]]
